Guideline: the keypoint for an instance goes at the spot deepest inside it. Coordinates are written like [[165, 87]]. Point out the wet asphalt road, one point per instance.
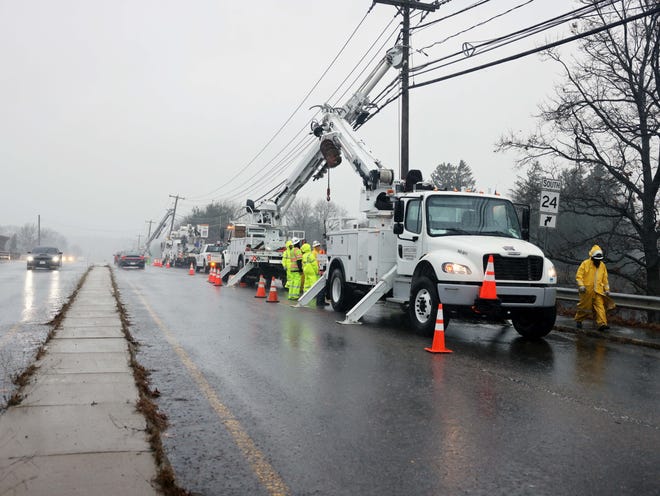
[[29, 299], [267, 399]]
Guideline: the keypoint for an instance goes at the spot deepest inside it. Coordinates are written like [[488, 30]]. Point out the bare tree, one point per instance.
[[604, 125]]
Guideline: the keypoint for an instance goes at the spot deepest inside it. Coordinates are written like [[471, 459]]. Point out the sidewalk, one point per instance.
[[77, 431]]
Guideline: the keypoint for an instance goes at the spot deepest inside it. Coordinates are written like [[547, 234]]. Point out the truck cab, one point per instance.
[[433, 247]]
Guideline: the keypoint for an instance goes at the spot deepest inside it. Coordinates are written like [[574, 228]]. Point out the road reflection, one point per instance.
[[28, 297]]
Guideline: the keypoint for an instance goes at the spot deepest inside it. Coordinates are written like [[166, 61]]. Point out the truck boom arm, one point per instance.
[[157, 232], [335, 129]]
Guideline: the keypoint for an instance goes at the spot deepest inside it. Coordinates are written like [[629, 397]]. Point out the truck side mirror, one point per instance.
[[398, 228], [398, 210], [524, 222]]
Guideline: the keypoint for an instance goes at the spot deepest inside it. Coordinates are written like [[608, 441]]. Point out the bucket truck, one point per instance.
[[182, 245], [421, 246], [256, 245]]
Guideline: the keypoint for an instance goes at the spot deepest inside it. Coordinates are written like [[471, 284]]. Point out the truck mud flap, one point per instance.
[[386, 283]]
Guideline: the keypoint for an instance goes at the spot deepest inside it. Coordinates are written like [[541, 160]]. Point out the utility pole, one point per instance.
[[39, 230], [404, 7], [149, 222], [176, 200], [139, 236]]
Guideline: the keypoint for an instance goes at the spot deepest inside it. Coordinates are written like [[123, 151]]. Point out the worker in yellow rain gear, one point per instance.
[[594, 289], [286, 255], [310, 266], [295, 268]]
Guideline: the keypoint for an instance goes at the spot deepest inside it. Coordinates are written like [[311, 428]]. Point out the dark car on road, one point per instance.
[[44, 257], [131, 260]]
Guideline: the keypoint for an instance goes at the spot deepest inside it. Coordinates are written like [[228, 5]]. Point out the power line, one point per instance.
[[540, 49], [554, 21], [277, 133]]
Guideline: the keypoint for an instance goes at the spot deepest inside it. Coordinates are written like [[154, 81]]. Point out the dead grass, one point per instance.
[[156, 420]]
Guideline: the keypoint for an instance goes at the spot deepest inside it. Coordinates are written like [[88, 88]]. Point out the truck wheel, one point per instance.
[[340, 294], [423, 307], [534, 323]]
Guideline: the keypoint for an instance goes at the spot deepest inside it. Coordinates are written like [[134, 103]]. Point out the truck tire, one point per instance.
[[340, 294], [423, 307], [534, 323]]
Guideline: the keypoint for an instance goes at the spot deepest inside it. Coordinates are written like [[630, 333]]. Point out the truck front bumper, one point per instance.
[[510, 296]]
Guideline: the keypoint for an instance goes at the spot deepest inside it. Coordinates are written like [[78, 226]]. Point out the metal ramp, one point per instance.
[[371, 298], [311, 293], [225, 271], [239, 275]]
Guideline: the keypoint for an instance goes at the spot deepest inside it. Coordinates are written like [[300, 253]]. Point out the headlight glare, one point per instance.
[[455, 268], [56, 258]]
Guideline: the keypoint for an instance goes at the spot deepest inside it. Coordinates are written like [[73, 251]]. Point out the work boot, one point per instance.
[[603, 328]]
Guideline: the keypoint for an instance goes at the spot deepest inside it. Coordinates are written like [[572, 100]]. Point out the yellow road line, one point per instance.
[[266, 474]]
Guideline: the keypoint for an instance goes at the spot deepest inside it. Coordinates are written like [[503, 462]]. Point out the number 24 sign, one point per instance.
[[549, 202]]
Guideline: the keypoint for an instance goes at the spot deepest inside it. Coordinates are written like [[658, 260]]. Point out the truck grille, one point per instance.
[[516, 269]]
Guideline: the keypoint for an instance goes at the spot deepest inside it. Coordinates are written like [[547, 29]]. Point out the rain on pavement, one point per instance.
[[269, 399], [29, 299]]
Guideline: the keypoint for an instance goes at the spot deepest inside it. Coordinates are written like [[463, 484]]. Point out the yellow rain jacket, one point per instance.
[[596, 282]]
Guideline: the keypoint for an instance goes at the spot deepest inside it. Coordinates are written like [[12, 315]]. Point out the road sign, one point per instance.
[[550, 184], [549, 202], [548, 220]]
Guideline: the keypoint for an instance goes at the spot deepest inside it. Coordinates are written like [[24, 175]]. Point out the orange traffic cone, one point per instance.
[[272, 294], [217, 280], [191, 272], [487, 302], [438, 345], [167, 266], [488, 290], [261, 289], [211, 275]]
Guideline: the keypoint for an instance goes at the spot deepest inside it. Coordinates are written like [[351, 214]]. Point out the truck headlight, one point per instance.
[[30, 258], [56, 258], [455, 268], [552, 274]]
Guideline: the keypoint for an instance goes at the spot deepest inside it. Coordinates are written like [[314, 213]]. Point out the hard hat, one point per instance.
[[316, 243], [597, 255], [295, 241], [288, 243]]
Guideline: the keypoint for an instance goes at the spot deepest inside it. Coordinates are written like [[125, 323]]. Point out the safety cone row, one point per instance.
[[211, 278], [217, 280], [438, 345], [261, 289], [272, 294], [191, 271]]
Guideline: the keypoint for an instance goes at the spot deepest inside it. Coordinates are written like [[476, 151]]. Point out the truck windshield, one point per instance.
[[455, 214]]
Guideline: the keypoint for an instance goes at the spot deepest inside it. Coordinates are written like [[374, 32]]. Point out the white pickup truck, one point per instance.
[[209, 256]]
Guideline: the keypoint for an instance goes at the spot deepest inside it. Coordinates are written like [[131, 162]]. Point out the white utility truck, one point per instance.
[[421, 246]]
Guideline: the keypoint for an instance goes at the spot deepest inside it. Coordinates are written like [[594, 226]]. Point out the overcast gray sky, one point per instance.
[[108, 107]]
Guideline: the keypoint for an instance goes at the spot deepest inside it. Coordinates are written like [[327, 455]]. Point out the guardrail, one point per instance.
[[636, 302]]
